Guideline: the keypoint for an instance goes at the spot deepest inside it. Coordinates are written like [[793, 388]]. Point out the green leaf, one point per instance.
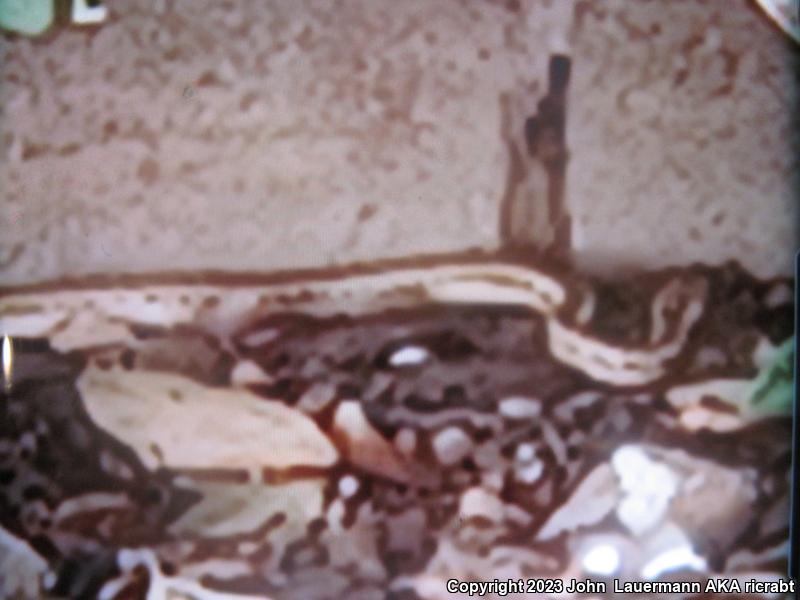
[[773, 388], [28, 17]]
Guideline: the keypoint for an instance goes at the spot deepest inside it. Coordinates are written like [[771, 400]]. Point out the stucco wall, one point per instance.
[[262, 135], [685, 135], [270, 135]]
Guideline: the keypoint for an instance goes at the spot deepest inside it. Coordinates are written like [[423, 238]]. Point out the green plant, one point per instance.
[[773, 388], [27, 17]]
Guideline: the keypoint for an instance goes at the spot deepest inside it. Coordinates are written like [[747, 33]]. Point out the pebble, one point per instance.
[[405, 441], [366, 447], [409, 355], [317, 397], [525, 453], [517, 407], [246, 372], [477, 502], [451, 445], [530, 473], [348, 485]]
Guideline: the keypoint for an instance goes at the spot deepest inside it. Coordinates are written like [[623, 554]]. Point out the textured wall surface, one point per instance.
[[268, 135], [262, 135], [684, 145]]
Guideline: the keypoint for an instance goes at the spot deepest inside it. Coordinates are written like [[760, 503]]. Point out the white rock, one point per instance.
[[595, 497], [525, 453], [477, 502], [649, 487], [246, 372], [529, 473], [451, 445], [348, 485], [517, 407], [409, 355], [602, 559]]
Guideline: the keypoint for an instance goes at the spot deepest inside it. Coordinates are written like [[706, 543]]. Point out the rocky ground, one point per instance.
[[377, 456]]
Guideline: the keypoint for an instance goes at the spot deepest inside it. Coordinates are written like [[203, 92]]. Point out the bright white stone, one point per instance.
[[525, 453], [530, 473], [649, 487], [451, 445], [348, 485], [409, 355], [601, 560], [639, 474], [247, 371]]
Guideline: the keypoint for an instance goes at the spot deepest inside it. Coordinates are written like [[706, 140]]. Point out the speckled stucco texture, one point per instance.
[[685, 137], [269, 135], [262, 135]]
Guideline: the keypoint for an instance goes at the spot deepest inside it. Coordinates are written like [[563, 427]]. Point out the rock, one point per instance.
[[517, 407], [477, 502], [408, 356], [317, 397], [348, 485], [451, 445], [246, 372], [594, 498], [713, 502], [649, 487], [364, 446]]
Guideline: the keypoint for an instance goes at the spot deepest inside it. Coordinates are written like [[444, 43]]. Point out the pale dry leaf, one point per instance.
[[172, 421]]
